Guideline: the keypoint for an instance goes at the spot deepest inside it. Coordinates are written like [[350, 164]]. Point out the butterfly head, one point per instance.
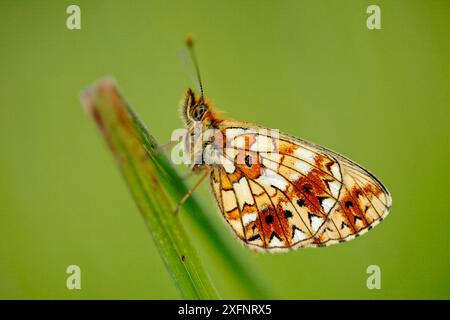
[[201, 124], [196, 109]]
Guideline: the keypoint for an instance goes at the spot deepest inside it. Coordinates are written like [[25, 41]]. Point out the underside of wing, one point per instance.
[[364, 202], [279, 192]]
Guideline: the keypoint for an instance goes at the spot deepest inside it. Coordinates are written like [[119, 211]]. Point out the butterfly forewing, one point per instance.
[[280, 192]]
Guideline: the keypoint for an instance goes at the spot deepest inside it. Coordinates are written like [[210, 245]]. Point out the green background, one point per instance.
[[309, 68]]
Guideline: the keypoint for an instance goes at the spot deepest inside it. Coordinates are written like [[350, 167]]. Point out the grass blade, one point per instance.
[[136, 160], [242, 276]]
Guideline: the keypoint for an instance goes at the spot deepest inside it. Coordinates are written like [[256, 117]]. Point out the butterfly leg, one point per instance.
[[189, 193]]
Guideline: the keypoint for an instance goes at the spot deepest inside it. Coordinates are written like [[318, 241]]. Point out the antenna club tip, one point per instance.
[[190, 40]]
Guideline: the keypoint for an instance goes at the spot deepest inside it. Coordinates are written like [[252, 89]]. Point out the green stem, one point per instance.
[[139, 168], [241, 274]]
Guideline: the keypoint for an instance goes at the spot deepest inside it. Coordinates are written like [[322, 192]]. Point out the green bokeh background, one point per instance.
[[310, 68]]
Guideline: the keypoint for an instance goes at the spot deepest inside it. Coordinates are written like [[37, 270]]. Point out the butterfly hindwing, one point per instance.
[[280, 192], [363, 204]]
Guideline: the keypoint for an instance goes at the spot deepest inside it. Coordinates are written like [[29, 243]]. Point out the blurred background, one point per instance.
[[309, 68]]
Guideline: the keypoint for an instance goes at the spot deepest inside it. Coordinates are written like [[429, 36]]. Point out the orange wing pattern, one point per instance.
[[283, 193]]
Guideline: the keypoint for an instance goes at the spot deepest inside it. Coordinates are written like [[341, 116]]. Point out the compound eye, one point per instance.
[[198, 112]]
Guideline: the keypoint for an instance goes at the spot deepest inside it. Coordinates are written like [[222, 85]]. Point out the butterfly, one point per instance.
[[278, 192]]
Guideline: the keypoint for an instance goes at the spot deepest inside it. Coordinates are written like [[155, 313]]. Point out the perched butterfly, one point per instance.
[[278, 192]]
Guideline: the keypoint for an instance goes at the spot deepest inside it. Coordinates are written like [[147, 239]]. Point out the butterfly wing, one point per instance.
[[280, 192]]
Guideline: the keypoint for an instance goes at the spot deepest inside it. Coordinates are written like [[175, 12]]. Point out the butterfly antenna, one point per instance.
[[190, 46]]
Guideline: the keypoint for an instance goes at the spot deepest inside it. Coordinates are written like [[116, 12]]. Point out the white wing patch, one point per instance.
[[298, 236], [335, 171], [335, 187], [316, 222], [227, 164], [303, 167], [263, 144], [275, 242], [243, 192], [303, 153], [270, 178], [327, 204], [249, 217]]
